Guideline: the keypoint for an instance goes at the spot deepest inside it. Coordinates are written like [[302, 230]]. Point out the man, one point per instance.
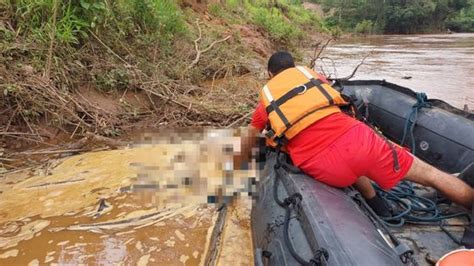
[[333, 147]]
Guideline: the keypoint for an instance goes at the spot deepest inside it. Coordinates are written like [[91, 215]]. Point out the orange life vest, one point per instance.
[[294, 99]]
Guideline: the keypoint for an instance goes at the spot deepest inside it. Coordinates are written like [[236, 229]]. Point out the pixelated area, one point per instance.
[[197, 166]]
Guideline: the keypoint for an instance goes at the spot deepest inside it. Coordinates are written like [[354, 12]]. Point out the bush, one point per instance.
[[365, 27], [463, 22], [272, 21], [303, 17]]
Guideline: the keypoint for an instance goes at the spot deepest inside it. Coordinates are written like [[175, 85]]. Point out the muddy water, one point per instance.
[[145, 204], [440, 65]]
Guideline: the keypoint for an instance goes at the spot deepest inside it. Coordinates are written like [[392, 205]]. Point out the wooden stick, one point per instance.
[[49, 152], [356, 68], [16, 134], [316, 55], [164, 97], [108, 48], [240, 119], [12, 171]]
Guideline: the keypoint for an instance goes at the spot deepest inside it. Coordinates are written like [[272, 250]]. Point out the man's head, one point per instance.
[[279, 62]]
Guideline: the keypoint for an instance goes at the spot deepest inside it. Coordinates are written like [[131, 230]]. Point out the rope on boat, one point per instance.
[[410, 122], [414, 209]]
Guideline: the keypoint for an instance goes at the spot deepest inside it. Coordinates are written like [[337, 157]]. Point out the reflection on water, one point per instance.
[[131, 206], [440, 65]]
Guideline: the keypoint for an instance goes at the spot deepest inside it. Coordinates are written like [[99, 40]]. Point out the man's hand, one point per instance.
[[248, 143]]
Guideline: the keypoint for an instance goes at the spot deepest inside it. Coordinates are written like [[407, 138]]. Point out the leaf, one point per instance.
[[85, 5], [99, 6], [5, 92]]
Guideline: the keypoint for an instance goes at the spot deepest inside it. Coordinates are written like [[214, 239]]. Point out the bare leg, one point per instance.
[[450, 186], [365, 188]]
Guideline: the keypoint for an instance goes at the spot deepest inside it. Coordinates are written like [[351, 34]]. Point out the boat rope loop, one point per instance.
[[412, 208], [410, 122], [291, 203], [404, 252]]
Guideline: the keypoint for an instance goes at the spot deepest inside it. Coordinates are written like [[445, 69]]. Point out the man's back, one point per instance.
[[312, 139]]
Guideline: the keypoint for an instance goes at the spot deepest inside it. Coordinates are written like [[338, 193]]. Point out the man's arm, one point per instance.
[[249, 135]]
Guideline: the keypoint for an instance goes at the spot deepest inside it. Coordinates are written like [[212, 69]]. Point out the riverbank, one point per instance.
[[76, 74]]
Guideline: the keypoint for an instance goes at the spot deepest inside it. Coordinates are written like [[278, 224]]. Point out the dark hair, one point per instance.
[[280, 61]]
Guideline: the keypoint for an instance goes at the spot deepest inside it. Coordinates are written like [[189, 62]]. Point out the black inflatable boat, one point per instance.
[[442, 134], [296, 220]]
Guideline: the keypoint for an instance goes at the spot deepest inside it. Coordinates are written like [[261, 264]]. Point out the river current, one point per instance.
[[440, 65]]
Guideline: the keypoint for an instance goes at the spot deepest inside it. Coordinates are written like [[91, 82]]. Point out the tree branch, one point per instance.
[[356, 68], [317, 54], [200, 52]]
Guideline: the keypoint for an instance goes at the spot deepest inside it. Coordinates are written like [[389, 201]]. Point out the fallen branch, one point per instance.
[[324, 66], [16, 134], [17, 170], [356, 68], [110, 49], [165, 98], [240, 119], [317, 54], [50, 152], [196, 46], [30, 139]]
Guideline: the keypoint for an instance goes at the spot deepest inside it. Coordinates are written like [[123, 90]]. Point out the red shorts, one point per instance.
[[358, 152]]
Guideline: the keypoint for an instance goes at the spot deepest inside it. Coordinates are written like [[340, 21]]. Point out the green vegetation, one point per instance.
[[53, 52], [399, 16], [463, 21], [73, 21], [284, 20]]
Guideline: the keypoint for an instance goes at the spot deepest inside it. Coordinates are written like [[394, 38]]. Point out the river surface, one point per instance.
[[440, 65], [147, 203]]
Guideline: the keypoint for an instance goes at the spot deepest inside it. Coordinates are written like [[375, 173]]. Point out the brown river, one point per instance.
[[147, 203], [440, 65]]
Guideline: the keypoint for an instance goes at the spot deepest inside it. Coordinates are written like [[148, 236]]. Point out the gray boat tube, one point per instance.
[[328, 218], [444, 135]]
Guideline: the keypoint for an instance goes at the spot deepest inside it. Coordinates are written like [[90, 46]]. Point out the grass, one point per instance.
[[284, 21], [273, 21], [75, 18]]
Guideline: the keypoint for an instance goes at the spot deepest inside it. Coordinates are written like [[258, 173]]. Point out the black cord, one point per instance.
[[290, 203]]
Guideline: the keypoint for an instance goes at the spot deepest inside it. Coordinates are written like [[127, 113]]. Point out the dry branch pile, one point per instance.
[[195, 86]]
